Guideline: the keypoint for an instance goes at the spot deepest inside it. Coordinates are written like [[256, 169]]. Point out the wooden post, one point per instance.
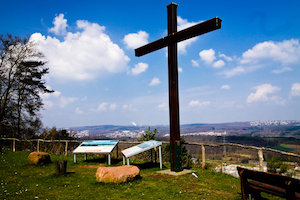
[[66, 149], [38, 146], [203, 157], [261, 160], [14, 145], [60, 167]]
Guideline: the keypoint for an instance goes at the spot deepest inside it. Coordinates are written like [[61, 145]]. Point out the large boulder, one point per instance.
[[117, 175], [38, 158]]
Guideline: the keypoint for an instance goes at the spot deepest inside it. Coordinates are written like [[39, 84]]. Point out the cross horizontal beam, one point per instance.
[[198, 29]]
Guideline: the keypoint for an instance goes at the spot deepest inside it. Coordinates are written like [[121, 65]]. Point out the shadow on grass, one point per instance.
[[96, 160], [102, 160], [148, 165]]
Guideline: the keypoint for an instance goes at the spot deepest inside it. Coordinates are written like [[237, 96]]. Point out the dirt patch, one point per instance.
[[160, 176]]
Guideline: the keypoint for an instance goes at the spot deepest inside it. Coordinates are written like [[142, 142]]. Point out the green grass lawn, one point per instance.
[[283, 147], [18, 180]]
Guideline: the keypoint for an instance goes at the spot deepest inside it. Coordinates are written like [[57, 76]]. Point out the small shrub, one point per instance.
[[275, 165]]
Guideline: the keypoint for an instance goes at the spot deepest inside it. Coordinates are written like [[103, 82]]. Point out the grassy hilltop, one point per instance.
[[18, 180]]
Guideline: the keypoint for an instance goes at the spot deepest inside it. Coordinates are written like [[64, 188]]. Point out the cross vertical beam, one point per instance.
[[173, 92], [171, 41]]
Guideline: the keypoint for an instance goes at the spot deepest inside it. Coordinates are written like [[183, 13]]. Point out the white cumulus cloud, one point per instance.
[[225, 87], [218, 64], [208, 56], [135, 40], [240, 70], [279, 55], [139, 68], [155, 81], [286, 52], [263, 93], [60, 25], [225, 57], [162, 106], [101, 107], [195, 63], [113, 106], [198, 103], [128, 107], [281, 70], [295, 90], [84, 55]]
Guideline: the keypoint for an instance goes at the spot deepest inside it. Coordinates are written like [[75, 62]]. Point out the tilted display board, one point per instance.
[[141, 148], [96, 146]]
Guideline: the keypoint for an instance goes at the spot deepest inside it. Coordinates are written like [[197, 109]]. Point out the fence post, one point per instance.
[[261, 160], [14, 145], [38, 145], [66, 149], [203, 157]]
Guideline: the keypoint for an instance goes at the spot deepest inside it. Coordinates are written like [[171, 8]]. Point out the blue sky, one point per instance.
[[248, 70]]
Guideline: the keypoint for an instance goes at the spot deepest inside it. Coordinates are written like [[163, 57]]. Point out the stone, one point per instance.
[[35, 158], [120, 174]]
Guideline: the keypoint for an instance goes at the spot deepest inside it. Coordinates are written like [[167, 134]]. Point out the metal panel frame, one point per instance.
[[131, 151], [90, 146]]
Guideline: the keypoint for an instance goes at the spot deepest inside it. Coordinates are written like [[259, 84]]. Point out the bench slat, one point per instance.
[[267, 188], [252, 182]]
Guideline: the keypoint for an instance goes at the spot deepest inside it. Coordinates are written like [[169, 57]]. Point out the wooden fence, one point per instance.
[[259, 149]]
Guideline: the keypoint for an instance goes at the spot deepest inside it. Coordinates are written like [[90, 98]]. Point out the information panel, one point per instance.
[[96, 146], [141, 148]]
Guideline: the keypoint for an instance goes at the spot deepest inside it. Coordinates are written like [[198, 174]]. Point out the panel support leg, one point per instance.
[[160, 158], [109, 159]]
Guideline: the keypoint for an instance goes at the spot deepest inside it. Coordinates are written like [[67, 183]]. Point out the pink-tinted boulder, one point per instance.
[[120, 174]]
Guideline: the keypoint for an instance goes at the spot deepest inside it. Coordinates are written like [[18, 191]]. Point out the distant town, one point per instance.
[[275, 123], [187, 130]]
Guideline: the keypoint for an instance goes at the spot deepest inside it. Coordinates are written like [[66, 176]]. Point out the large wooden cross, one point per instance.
[[171, 41]]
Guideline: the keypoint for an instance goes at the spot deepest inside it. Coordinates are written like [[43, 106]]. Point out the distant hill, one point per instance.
[[259, 128]]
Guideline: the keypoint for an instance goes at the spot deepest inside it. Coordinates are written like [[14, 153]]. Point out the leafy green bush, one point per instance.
[[275, 165]]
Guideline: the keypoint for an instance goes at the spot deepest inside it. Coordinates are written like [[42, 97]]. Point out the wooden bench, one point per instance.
[[255, 182]]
